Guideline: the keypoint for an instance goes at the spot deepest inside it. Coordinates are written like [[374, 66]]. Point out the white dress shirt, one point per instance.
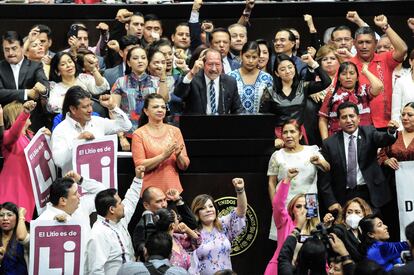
[[226, 65], [360, 178], [104, 250], [16, 70], [69, 130], [216, 89]]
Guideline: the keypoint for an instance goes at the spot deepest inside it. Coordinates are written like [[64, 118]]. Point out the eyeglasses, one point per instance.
[[345, 39]]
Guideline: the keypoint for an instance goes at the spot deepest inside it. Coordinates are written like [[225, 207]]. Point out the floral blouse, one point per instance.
[[333, 100], [182, 258], [214, 252]]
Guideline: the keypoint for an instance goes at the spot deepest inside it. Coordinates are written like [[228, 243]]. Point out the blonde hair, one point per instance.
[[324, 51], [198, 204], [10, 112], [310, 224]]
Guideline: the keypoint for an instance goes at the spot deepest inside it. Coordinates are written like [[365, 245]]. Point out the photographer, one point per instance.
[[313, 254], [345, 224], [408, 268]]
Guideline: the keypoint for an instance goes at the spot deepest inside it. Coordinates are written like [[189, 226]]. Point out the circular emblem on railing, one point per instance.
[[246, 238]]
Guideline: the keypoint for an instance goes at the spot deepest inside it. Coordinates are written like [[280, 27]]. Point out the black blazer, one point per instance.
[[332, 185], [194, 95], [30, 73]]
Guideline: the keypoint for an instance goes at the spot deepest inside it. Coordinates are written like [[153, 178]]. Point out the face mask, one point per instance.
[[353, 220]]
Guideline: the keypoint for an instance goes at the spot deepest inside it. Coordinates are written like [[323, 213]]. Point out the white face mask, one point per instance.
[[352, 220]]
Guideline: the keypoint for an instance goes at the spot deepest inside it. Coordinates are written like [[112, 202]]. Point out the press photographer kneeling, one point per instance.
[[312, 256]]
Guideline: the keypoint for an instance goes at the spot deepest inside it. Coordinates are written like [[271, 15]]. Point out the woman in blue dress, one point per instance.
[[374, 243], [251, 81]]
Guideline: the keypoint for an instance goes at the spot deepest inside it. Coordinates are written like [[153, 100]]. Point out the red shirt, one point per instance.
[[382, 65]]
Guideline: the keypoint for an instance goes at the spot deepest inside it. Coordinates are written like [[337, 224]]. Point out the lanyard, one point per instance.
[[106, 223]]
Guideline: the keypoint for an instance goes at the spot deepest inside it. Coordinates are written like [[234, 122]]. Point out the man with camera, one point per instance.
[[408, 268], [153, 199]]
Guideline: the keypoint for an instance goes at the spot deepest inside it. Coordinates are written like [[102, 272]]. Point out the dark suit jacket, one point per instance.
[[112, 74], [30, 73], [332, 185], [194, 95], [141, 232], [407, 269]]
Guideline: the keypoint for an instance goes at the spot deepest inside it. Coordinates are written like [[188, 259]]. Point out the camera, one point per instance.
[[406, 256], [322, 233]]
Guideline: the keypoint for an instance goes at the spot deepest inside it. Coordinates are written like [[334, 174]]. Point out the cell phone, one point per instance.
[[73, 31], [311, 200], [303, 238]]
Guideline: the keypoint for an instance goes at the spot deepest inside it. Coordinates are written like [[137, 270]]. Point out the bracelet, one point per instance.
[[385, 27], [240, 191], [346, 258]]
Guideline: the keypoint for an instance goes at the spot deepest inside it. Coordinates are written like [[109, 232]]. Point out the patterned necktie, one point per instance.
[[212, 92], [351, 176]]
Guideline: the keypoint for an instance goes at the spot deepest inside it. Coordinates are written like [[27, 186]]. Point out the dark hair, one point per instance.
[[269, 49], [277, 82], [11, 248], [12, 36], [128, 40], [159, 243], [73, 97], [152, 17], [166, 217], [343, 67], [196, 54], [219, 29], [137, 13], [340, 28], [182, 24], [76, 27], [291, 36], [128, 69], [367, 226], [60, 189], [344, 105], [250, 45], [364, 30], [293, 122], [312, 257], [104, 200], [80, 57], [409, 104], [159, 43], [54, 74], [409, 234], [143, 118], [369, 267], [44, 29]]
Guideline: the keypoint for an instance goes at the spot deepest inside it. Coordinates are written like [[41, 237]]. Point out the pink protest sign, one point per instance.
[[56, 248], [97, 159], [41, 167]]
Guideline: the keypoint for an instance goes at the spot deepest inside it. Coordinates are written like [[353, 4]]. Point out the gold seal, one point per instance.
[[246, 238]]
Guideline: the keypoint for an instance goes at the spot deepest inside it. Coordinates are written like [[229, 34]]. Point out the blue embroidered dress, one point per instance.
[[250, 95]]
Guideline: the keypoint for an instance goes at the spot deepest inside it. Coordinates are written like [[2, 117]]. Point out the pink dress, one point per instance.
[[284, 224], [15, 184]]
